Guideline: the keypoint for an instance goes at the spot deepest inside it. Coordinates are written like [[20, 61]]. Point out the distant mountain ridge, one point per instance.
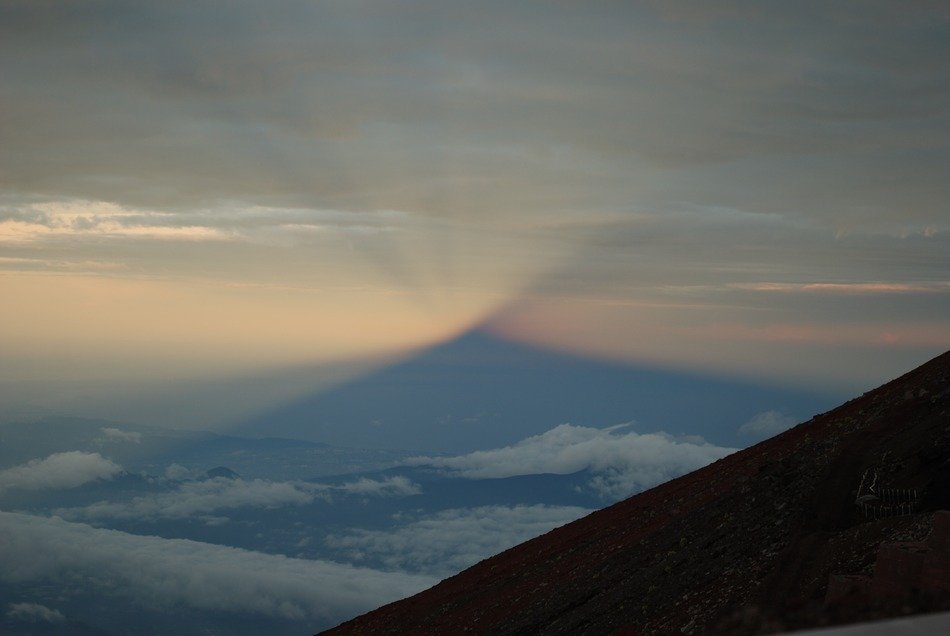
[[745, 545]]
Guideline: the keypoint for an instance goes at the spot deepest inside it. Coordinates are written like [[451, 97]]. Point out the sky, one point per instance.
[[215, 191]]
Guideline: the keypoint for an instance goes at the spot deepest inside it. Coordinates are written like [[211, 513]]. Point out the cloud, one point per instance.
[[452, 540], [164, 573], [77, 266], [60, 470], [768, 423], [635, 83], [390, 487], [29, 221], [98, 220], [118, 435], [624, 463], [200, 498], [34, 613], [176, 472], [850, 288]]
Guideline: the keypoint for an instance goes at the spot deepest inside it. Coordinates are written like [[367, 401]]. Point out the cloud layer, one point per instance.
[[451, 540], [34, 613], [389, 487], [113, 434], [163, 573], [198, 498], [60, 470], [623, 462]]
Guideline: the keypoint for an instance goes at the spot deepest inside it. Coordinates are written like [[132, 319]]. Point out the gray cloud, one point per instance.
[[624, 462], [451, 540], [113, 434], [257, 127], [200, 498], [389, 487], [164, 573], [312, 103], [26, 221], [60, 470], [34, 613]]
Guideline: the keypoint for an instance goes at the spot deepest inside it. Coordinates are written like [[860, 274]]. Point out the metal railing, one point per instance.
[[876, 502]]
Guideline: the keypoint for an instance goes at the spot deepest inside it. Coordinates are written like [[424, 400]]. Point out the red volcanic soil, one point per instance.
[[745, 545]]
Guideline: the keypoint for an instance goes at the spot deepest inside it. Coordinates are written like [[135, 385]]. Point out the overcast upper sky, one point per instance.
[[199, 188]]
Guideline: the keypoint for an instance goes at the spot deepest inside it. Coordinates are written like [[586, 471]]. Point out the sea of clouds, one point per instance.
[[163, 573], [412, 550], [623, 462]]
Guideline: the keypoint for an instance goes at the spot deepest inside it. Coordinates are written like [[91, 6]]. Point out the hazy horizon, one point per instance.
[[198, 192]]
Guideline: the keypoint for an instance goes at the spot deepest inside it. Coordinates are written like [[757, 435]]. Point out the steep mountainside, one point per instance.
[[745, 545]]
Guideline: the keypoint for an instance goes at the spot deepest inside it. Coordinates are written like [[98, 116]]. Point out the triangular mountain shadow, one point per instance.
[[745, 545], [479, 391]]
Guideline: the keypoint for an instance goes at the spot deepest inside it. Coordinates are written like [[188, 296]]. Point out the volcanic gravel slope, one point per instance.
[[744, 545]]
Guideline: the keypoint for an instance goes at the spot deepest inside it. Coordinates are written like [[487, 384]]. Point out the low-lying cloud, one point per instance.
[[623, 463], [59, 471], [452, 540], [196, 498], [164, 573], [397, 486], [34, 613], [113, 434]]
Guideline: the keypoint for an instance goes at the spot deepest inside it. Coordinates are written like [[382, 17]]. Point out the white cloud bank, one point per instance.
[[34, 613], [452, 540], [623, 463], [58, 471], [193, 498], [767, 424], [162, 573]]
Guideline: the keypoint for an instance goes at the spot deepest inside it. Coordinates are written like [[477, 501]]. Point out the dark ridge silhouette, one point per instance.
[[745, 545]]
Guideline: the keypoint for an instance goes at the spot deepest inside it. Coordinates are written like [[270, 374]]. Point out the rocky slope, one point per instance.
[[745, 545]]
